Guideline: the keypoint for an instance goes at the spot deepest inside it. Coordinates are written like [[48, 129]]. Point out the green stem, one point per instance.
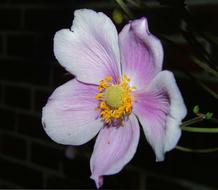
[[199, 130], [207, 150], [204, 66], [125, 8], [192, 121], [214, 94]]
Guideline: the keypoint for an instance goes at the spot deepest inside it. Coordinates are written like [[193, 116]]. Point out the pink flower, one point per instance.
[[118, 83]]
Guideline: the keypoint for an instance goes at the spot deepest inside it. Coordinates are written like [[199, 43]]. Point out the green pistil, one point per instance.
[[114, 96]]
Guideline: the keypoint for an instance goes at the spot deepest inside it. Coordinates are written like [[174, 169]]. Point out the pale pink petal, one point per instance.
[[141, 53], [90, 49], [69, 117], [114, 148], [160, 109]]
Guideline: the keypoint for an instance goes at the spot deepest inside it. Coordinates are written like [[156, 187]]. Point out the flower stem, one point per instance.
[[204, 66], [125, 8], [199, 130], [192, 121], [214, 94], [207, 150]]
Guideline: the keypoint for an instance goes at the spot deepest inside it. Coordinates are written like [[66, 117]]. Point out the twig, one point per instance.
[[199, 130], [214, 94], [204, 66], [207, 150], [125, 8], [192, 121]]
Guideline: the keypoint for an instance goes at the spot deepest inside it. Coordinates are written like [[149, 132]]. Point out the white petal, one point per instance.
[[114, 148], [69, 117], [90, 49], [160, 109], [141, 53]]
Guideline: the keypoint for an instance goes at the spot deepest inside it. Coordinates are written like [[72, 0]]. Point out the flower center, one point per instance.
[[115, 100], [114, 96]]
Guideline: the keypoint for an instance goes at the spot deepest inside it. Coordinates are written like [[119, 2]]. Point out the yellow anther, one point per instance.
[[99, 96], [115, 99]]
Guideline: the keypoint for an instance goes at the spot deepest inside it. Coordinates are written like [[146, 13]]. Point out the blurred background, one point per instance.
[[29, 73]]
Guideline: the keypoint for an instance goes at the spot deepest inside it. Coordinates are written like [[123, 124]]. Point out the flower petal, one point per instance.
[[160, 109], [141, 53], [69, 116], [90, 49], [114, 148]]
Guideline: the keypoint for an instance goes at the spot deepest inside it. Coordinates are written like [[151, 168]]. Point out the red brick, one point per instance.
[[46, 156], [44, 20], [12, 146], [21, 45], [31, 126], [7, 119], [15, 96], [9, 19], [29, 72], [20, 174]]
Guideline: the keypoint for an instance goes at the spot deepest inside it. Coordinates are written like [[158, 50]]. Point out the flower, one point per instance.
[[118, 82]]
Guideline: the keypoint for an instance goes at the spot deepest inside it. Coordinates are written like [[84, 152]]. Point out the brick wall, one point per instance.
[[28, 75]]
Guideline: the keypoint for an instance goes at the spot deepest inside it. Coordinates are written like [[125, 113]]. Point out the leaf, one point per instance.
[[196, 109], [209, 115]]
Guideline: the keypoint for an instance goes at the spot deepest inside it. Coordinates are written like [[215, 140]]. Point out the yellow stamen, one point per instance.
[[115, 100]]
